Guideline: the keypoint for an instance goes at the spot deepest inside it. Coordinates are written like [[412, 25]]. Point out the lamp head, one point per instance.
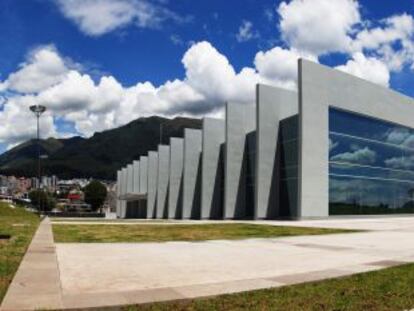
[[38, 109]]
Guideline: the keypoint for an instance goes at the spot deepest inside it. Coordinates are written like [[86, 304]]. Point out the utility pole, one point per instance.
[[38, 110]]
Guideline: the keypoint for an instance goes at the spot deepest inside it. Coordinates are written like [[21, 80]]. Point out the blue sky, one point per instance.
[[98, 64], [131, 53]]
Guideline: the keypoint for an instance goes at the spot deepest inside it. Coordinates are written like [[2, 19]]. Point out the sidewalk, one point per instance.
[[37, 281]]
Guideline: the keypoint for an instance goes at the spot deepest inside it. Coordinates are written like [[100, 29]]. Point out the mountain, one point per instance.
[[99, 156]]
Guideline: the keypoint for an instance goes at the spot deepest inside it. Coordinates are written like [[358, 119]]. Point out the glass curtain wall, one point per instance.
[[371, 166], [250, 173], [288, 165]]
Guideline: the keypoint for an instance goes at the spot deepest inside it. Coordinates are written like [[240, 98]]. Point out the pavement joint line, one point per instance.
[[386, 263], [324, 247]]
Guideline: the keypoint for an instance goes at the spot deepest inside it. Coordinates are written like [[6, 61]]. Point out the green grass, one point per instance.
[[160, 233], [388, 289], [104, 220], [20, 225]]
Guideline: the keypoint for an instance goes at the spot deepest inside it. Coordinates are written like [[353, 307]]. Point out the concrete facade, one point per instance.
[[124, 183], [212, 172], [321, 87], [131, 207], [240, 131], [136, 177], [118, 193], [130, 179], [175, 197], [143, 174], [192, 174], [152, 184], [163, 181], [271, 160], [273, 105]]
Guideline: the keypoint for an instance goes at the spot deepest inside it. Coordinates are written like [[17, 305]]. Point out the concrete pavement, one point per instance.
[[36, 284], [105, 274]]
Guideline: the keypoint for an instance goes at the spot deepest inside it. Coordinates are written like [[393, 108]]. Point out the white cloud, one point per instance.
[[176, 39], [268, 14], [97, 17], [404, 163], [280, 65], [400, 136], [209, 73], [368, 68], [18, 123], [43, 68], [319, 26], [369, 192], [398, 27], [332, 144], [246, 32], [78, 91], [209, 81], [3, 86], [381, 40], [362, 156]]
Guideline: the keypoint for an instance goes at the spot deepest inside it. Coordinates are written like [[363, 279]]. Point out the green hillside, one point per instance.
[[98, 156]]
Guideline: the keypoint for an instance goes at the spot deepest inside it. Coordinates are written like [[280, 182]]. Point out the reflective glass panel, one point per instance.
[[371, 165], [287, 166]]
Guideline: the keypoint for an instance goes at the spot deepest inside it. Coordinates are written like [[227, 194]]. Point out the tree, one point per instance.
[[42, 200], [95, 194]]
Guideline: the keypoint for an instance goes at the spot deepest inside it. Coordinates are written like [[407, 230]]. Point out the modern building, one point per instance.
[[338, 146]]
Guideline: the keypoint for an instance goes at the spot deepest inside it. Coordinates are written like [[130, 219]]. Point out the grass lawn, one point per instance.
[[388, 289], [159, 233], [104, 220], [20, 225]]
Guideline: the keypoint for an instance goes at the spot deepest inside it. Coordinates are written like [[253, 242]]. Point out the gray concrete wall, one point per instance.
[[175, 197], [240, 130], [272, 106], [319, 88], [152, 184], [143, 181], [118, 193], [192, 174], [212, 172], [130, 178], [143, 174], [136, 177], [124, 184], [162, 180], [130, 210]]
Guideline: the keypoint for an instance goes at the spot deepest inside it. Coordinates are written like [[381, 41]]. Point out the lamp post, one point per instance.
[[38, 110]]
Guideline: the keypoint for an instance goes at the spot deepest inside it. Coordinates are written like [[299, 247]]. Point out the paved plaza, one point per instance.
[[105, 274]]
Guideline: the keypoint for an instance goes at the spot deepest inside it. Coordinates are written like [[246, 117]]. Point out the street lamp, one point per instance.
[[38, 110]]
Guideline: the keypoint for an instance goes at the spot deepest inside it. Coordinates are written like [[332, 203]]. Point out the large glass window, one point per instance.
[[287, 158], [250, 173], [371, 165]]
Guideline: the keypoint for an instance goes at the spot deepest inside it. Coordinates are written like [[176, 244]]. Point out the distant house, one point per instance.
[[75, 197], [74, 203]]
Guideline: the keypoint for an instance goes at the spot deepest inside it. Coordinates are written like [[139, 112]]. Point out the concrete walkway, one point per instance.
[[107, 274], [36, 284]]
